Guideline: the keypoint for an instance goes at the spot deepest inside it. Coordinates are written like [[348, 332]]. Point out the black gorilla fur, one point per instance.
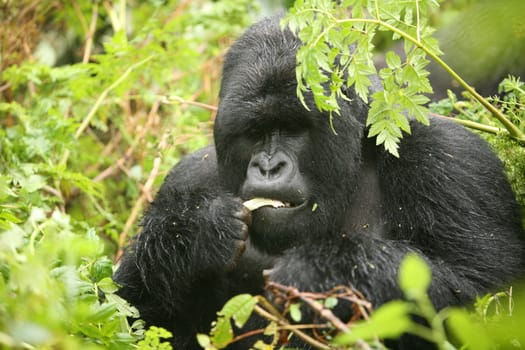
[[355, 209]]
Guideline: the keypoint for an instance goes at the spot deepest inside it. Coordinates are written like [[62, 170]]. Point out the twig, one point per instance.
[[327, 314], [98, 103], [103, 95], [5, 87], [90, 34], [474, 125], [283, 322], [180, 100], [138, 206], [80, 16], [178, 11], [127, 155]]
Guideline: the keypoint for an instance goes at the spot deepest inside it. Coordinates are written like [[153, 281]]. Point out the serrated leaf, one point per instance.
[[362, 83], [393, 60], [377, 128], [123, 306], [391, 145], [401, 121]]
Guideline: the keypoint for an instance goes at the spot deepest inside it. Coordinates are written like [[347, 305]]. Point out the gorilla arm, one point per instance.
[[192, 237]]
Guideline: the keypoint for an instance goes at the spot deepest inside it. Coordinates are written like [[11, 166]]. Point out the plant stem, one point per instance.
[[98, 103], [474, 125], [282, 322]]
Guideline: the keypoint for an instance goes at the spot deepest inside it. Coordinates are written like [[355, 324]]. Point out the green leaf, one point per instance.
[[222, 333], [239, 308], [393, 60], [414, 276], [391, 145], [389, 321], [295, 312], [125, 309], [102, 312], [107, 285], [330, 303], [153, 339], [204, 341], [469, 333], [32, 183]]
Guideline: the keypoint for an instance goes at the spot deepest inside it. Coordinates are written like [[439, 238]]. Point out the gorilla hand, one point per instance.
[[230, 220]]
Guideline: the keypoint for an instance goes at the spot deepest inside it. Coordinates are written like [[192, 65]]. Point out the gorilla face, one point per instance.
[[270, 146]]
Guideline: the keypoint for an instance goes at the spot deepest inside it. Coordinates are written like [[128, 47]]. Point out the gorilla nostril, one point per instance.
[[277, 169]]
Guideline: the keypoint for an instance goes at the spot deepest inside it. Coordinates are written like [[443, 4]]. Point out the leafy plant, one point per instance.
[[337, 52], [468, 111], [490, 327], [80, 153]]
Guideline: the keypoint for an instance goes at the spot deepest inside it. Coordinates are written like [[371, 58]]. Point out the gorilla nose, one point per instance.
[[266, 167], [274, 176]]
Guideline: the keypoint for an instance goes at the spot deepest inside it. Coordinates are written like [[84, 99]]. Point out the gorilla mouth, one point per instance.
[[256, 203]]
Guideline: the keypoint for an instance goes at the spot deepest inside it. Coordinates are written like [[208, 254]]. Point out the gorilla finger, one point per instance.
[[244, 232], [245, 215], [239, 249]]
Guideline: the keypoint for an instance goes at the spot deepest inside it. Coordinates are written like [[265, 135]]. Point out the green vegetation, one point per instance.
[[128, 87], [83, 147], [494, 324], [338, 38]]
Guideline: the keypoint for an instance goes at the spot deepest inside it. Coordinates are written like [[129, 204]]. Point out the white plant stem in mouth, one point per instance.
[[256, 203]]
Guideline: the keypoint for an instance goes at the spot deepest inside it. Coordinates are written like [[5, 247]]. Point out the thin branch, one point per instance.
[[474, 125], [327, 314], [135, 212], [129, 152], [180, 100], [103, 95], [178, 11], [283, 322], [80, 15], [90, 34], [101, 98]]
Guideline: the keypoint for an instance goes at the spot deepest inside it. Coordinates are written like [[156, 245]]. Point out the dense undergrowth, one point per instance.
[[97, 101]]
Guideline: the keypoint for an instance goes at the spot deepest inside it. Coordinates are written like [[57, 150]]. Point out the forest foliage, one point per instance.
[[98, 99]]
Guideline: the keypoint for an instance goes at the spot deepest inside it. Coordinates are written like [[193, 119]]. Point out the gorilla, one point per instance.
[[348, 211]]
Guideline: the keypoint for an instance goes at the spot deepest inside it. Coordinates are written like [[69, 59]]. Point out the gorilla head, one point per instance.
[[269, 145]]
